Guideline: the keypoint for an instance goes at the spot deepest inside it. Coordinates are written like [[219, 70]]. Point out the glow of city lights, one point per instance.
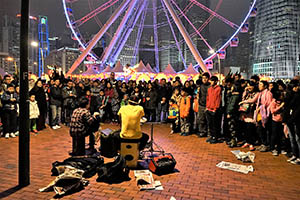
[[34, 44], [10, 59], [211, 51]]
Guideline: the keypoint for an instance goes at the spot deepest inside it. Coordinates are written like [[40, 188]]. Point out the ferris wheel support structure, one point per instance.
[[127, 33], [154, 4], [186, 36], [98, 36], [121, 27]]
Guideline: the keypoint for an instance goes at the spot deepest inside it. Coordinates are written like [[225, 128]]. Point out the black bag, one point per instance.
[[89, 165], [108, 147], [163, 164], [114, 172]]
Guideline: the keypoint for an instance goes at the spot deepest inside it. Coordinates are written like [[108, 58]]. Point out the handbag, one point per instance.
[[163, 164], [245, 107]]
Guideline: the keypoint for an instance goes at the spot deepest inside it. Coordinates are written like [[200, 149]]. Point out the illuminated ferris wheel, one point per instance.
[[183, 26]]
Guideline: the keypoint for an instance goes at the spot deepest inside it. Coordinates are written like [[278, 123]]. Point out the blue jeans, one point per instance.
[[56, 114], [294, 136]]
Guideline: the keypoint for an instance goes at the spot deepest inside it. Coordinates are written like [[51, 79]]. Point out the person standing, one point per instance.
[[213, 101], [33, 113], [201, 116], [69, 100], [9, 116], [40, 97], [55, 104]]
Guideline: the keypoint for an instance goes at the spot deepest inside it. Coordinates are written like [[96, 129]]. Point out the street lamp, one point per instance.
[[34, 44], [10, 59]]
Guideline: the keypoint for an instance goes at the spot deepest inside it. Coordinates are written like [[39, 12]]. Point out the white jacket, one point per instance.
[[34, 111]]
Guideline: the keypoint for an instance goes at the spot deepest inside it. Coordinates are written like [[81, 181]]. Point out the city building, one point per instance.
[[10, 43], [277, 38], [63, 58]]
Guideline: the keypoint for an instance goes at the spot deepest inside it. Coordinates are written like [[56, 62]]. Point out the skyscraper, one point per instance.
[[277, 38]]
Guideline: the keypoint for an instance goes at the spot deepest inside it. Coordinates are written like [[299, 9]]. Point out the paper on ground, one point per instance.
[[236, 167], [245, 157]]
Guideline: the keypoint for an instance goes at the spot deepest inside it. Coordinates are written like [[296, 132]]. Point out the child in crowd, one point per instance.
[[102, 103], [124, 101], [115, 107], [184, 110], [162, 110], [176, 95], [34, 113], [173, 116]]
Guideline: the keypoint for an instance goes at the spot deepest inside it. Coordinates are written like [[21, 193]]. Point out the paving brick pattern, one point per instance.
[[197, 176]]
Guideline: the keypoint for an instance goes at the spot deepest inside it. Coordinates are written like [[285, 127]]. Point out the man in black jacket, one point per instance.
[[55, 104], [201, 117], [69, 97]]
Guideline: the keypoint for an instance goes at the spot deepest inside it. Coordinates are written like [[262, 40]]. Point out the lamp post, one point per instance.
[[24, 139]]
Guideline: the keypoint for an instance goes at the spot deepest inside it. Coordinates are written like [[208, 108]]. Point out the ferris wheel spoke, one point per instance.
[[187, 19], [174, 35], [99, 35], [210, 17], [226, 21], [127, 32], [95, 12], [120, 29], [154, 5], [139, 36], [186, 36]]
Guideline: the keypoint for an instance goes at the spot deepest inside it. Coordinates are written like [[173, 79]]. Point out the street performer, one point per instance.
[[82, 124], [131, 116]]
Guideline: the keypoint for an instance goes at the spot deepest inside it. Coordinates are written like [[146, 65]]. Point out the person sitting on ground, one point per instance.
[[82, 124], [131, 116]]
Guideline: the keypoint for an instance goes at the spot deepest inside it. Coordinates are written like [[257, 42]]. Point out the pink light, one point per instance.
[[95, 12]]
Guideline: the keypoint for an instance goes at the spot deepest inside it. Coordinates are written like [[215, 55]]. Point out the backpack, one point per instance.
[[113, 172]]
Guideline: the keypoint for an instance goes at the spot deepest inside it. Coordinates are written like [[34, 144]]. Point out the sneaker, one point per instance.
[[208, 139], [283, 152], [12, 135], [7, 135], [172, 132], [251, 148], [54, 127], [296, 162], [292, 159], [213, 141], [58, 126], [245, 145], [35, 131], [17, 133], [275, 153]]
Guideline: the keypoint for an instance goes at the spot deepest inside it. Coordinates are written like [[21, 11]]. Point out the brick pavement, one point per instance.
[[198, 176]]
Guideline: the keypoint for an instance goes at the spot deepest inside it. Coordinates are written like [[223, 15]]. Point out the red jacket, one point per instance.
[[213, 98]]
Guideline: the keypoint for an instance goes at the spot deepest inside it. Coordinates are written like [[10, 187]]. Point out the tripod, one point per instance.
[[152, 143]]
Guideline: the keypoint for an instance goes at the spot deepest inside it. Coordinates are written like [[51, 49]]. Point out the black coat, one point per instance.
[[56, 96], [40, 97], [152, 103]]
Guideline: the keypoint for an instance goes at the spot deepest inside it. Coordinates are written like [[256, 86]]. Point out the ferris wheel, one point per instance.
[[201, 29]]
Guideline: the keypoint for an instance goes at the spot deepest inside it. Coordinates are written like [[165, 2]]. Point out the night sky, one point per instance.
[[233, 10]]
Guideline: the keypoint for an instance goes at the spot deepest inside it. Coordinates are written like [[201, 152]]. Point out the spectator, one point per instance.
[[213, 101], [40, 97], [184, 111], [33, 114], [55, 104], [9, 99]]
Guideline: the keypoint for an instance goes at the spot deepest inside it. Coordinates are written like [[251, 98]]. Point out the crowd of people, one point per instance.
[[255, 114]]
